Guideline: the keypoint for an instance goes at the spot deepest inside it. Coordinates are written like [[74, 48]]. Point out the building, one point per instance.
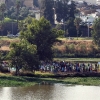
[[98, 2], [2, 1]]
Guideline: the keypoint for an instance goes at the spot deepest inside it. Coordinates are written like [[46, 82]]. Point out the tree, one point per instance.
[[96, 32], [72, 10], [77, 24], [71, 29], [2, 9], [62, 10], [23, 55], [47, 8], [41, 34], [17, 9], [65, 12]]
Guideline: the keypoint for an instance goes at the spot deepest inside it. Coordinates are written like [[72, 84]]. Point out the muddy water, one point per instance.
[[50, 92]]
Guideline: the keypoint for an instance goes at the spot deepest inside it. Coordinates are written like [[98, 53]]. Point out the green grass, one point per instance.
[[82, 81], [12, 81], [7, 81], [6, 38], [75, 38], [79, 59]]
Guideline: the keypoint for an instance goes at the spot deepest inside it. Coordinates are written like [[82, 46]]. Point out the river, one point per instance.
[[51, 92]]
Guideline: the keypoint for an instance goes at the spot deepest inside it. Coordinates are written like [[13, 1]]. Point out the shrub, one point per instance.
[[4, 69]]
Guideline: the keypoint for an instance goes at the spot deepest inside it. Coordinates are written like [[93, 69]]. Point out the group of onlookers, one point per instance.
[[67, 67], [62, 66]]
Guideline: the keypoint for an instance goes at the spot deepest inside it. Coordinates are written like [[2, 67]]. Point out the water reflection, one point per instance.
[[50, 92]]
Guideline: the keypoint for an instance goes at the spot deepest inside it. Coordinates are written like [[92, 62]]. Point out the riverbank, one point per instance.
[[19, 81]]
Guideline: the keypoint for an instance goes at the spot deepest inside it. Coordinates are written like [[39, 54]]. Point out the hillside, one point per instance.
[[5, 43], [77, 45]]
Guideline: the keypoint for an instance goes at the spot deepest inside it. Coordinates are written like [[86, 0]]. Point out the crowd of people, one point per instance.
[[63, 66], [67, 67]]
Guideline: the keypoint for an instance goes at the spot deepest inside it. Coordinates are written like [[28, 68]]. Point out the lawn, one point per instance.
[[15, 81], [79, 59]]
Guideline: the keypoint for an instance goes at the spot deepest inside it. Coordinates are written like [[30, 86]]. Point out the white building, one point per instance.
[[98, 2]]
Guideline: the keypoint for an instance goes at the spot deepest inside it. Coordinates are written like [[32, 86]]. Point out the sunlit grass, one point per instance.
[[75, 38], [79, 59], [10, 81], [6, 38]]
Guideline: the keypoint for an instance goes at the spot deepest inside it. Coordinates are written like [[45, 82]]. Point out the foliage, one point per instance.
[[23, 55], [64, 10], [96, 32], [41, 34], [22, 12], [13, 81], [71, 27], [77, 24], [47, 9], [60, 33], [2, 9]]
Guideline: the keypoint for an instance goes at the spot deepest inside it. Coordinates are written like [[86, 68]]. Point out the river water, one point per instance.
[[51, 92]]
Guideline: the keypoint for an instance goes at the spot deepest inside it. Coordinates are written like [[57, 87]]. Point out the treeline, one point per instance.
[[65, 13]]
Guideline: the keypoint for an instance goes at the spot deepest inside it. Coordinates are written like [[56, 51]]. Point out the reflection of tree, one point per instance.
[[38, 92]]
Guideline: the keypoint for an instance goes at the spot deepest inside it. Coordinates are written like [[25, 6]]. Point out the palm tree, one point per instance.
[[17, 10], [2, 9], [77, 24]]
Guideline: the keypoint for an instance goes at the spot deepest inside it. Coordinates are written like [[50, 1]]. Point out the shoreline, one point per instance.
[[23, 81]]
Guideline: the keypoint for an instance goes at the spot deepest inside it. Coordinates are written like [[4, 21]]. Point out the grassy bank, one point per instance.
[[13, 81], [79, 59]]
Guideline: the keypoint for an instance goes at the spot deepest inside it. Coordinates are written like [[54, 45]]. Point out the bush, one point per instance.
[[4, 69]]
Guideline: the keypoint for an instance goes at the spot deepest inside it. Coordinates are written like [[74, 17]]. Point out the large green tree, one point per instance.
[[47, 9], [23, 56], [62, 10], [96, 31], [41, 34]]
